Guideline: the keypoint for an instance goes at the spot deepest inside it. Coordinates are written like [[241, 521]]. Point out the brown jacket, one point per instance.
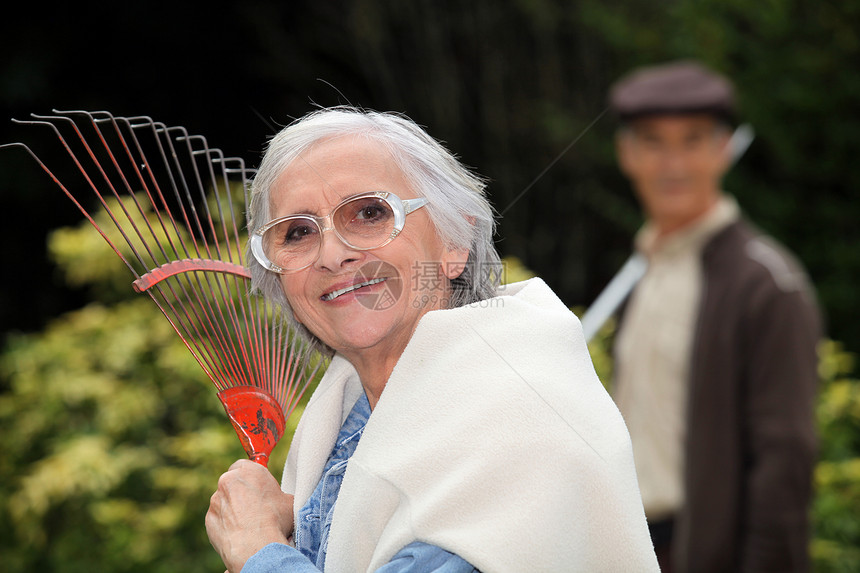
[[751, 440]]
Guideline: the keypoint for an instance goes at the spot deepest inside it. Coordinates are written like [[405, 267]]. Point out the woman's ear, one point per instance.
[[454, 262], [455, 259]]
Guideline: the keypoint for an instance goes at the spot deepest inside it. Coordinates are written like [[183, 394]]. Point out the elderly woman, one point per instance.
[[460, 425]]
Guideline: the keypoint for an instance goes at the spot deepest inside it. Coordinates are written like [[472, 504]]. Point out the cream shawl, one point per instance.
[[493, 439]]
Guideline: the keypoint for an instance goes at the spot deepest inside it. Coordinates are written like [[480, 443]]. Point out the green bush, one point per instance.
[[836, 509], [113, 438]]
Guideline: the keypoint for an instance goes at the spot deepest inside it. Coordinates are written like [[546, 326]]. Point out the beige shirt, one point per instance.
[[653, 355]]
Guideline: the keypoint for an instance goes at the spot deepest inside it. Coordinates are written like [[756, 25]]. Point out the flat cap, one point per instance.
[[677, 87]]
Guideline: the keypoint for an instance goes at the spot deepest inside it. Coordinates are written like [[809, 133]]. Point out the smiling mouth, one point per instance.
[[336, 293]]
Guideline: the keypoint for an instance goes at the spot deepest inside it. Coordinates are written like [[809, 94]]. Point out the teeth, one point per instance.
[[334, 294]]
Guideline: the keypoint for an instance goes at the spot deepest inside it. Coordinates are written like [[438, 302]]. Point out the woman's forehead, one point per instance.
[[332, 170]]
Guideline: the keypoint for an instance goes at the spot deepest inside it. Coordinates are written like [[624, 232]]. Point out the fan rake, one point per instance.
[[166, 202]]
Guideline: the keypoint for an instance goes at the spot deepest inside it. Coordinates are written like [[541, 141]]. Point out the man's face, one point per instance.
[[675, 163]]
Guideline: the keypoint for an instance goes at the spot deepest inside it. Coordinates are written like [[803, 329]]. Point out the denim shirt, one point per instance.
[[314, 521]]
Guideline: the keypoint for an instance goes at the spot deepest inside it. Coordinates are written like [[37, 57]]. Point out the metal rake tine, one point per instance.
[[263, 336], [190, 199], [63, 114], [197, 312], [219, 327], [98, 165], [217, 323], [289, 374], [147, 120], [156, 187], [216, 158], [210, 316], [206, 152], [245, 171], [70, 196], [107, 117], [276, 345], [139, 121], [81, 112], [293, 361], [171, 163], [258, 336], [242, 168], [198, 351], [248, 320], [157, 130], [203, 305], [43, 120], [87, 215], [227, 356], [229, 302], [300, 367], [246, 174]]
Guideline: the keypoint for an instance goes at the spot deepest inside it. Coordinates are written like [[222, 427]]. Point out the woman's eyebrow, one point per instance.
[[314, 212], [304, 208], [278, 213]]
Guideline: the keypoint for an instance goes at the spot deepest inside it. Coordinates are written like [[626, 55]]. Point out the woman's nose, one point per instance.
[[334, 254]]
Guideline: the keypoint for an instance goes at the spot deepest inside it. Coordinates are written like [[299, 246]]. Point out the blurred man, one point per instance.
[[716, 350]]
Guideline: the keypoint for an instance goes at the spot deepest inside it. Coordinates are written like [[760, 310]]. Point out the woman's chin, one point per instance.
[[364, 328]]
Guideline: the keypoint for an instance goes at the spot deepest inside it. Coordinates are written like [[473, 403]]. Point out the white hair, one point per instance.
[[456, 198]]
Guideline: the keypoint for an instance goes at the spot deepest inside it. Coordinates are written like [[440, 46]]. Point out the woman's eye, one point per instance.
[[370, 212], [365, 211], [297, 233]]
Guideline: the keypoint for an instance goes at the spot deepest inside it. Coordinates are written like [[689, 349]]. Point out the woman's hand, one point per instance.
[[247, 512]]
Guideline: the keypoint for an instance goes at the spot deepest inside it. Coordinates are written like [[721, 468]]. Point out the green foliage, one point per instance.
[[601, 351], [836, 510], [112, 444], [514, 271], [112, 437]]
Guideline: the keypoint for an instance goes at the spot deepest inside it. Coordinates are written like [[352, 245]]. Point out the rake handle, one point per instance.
[[257, 418]]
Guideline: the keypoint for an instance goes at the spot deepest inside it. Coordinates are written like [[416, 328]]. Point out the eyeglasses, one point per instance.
[[363, 222]]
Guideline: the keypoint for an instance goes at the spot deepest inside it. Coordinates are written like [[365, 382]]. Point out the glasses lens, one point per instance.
[[365, 222], [292, 243]]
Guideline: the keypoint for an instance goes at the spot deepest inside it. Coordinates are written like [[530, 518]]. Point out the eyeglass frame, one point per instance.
[[400, 208]]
